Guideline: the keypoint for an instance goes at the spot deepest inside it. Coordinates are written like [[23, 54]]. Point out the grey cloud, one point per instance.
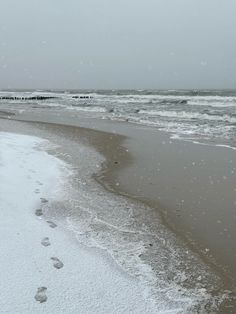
[[117, 44]]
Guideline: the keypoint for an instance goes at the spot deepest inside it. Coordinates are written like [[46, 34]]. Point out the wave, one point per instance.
[[190, 115], [213, 103], [88, 108]]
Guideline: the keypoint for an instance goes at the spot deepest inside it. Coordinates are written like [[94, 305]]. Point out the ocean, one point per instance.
[[195, 115]]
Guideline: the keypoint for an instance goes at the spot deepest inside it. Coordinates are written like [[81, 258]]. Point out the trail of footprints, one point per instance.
[[40, 295]]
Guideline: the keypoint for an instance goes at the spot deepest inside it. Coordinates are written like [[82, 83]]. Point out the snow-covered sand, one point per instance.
[[76, 280]]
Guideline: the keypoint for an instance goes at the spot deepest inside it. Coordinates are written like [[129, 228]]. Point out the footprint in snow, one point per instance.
[[45, 241], [51, 224], [43, 200], [39, 212], [41, 295], [57, 263]]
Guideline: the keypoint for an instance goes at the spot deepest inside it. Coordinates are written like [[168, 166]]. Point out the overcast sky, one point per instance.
[[117, 44]]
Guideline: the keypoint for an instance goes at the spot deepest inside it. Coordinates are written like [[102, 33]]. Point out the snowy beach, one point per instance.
[[43, 269]]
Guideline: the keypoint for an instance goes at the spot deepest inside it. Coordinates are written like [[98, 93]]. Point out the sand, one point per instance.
[[132, 168]]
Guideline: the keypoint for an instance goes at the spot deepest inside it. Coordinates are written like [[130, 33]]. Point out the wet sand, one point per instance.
[[192, 186]]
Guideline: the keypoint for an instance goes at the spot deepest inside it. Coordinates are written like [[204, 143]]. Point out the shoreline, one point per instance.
[[122, 136], [124, 158]]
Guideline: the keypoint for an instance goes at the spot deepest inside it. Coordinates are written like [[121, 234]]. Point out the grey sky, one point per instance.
[[117, 44]]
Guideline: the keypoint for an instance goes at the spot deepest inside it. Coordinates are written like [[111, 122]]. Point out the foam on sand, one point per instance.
[[86, 281]]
